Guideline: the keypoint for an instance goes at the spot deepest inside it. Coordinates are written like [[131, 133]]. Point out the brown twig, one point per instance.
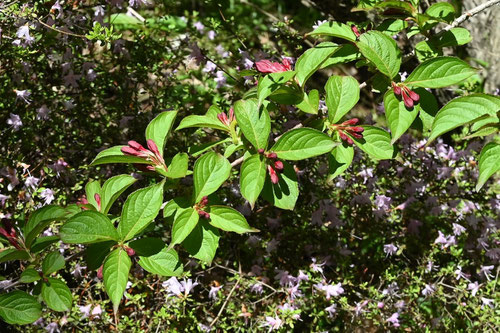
[[228, 298], [474, 11]]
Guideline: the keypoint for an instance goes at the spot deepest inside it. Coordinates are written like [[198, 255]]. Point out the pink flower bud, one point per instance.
[[273, 175], [278, 165], [352, 121], [413, 95], [356, 129], [204, 201], [266, 66], [130, 251], [99, 272], [272, 156], [287, 64], [136, 145], [231, 114], [397, 89], [407, 100], [380, 305], [223, 118], [261, 151], [356, 135], [355, 30], [130, 151], [153, 147], [97, 198]]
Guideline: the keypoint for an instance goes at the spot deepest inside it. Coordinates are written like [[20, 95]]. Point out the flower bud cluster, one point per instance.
[[10, 233], [357, 32], [152, 155], [224, 119], [409, 97], [200, 206], [275, 166], [266, 66], [346, 130]]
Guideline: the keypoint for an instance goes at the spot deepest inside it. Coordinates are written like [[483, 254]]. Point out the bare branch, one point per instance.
[[471, 13]]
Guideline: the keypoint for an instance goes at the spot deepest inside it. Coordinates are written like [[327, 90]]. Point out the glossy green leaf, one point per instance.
[[112, 189], [159, 128], [339, 160], [203, 241], [229, 219], [428, 108], [96, 253], [254, 122], [115, 155], [272, 82], [382, 51], [88, 227], [164, 263], [463, 110], [342, 94], [302, 143], [92, 188], [13, 254], [440, 72], [184, 223], [334, 29], [210, 172], [399, 118], [176, 206], [425, 50], [285, 193], [342, 55], [453, 37], [310, 103], [115, 274], [377, 143], [29, 275], [17, 307], [196, 150], [252, 178], [147, 246], [52, 262], [489, 163], [441, 10], [40, 219], [209, 120], [311, 60], [392, 26], [140, 209], [178, 167], [56, 295]]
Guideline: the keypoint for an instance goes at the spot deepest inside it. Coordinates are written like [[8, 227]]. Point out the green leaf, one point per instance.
[[377, 143], [178, 167], [96, 253], [13, 254], [53, 262], [140, 208], [175, 206], [428, 108], [489, 163], [399, 118], [310, 103], [40, 219], [115, 155], [200, 149], [392, 26], [183, 225], [440, 72], [339, 160], [209, 120], [147, 246], [463, 110], [287, 95], [164, 263], [311, 60], [203, 241], [301, 143], [115, 274], [334, 29], [57, 295], [441, 10], [284, 194], [345, 53], [252, 178], [159, 128], [382, 51], [112, 189], [92, 188], [254, 122], [19, 308], [426, 50], [88, 227], [229, 219], [272, 82], [342, 94], [29, 275], [396, 4], [210, 172], [453, 37]]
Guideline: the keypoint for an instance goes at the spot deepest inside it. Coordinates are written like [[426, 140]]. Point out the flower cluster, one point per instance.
[[346, 130], [266, 66], [410, 98], [275, 167], [152, 155]]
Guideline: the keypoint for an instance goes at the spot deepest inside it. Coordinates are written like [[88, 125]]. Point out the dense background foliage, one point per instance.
[[399, 244]]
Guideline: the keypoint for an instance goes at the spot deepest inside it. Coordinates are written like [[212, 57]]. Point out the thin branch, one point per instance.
[[61, 31], [237, 161], [228, 298], [471, 13]]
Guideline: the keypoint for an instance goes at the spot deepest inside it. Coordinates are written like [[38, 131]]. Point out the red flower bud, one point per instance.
[[352, 121], [204, 201], [356, 135], [413, 95], [273, 175], [130, 151], [130, 251], [287, 64], [278, 165], [266, 66], [97, 198], [356, 129], [223, 118], [397, 89], [153, 147], [231, 114], [261, 151], [136, 145], [355, 30], [407, 100], [272, 156], [99, 272]]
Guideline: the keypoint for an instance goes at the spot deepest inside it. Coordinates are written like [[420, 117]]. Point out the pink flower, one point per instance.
[[273, 323], [394, 319], [266, 66]]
